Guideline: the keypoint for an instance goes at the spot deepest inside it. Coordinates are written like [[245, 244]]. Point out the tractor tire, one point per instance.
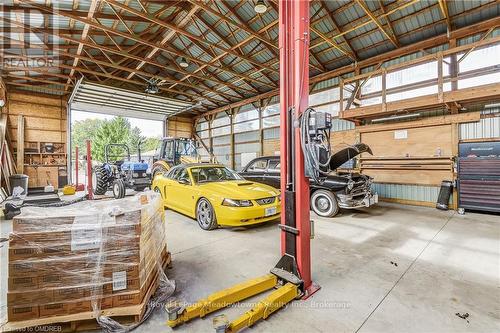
[[100, 180], [159, 168], [119, 189]]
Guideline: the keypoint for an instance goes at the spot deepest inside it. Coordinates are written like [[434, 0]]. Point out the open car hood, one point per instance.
[[344, 155]]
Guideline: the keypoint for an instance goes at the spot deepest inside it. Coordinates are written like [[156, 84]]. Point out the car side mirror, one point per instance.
[[184, 181]]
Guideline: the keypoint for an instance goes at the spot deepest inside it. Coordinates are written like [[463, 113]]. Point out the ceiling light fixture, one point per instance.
[[152, 88], [260, 7], [183, 63]]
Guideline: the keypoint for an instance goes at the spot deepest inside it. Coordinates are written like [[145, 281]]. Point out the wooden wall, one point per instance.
[[44, 121], [421, 156], [180, 127], [45, 117]]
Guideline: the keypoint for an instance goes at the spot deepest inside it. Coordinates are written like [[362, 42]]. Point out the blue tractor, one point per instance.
[[119, 172]]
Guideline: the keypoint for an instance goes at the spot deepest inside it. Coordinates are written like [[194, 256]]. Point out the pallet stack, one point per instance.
[[93, 257]]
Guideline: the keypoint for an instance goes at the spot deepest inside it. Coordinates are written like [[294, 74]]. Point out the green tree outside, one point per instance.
[[103, 132]]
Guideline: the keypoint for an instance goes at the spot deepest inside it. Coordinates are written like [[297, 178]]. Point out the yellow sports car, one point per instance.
[[215, 195]]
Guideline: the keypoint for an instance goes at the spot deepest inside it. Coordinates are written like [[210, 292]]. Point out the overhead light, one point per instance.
[[491, 106], [183, 63], [403, 116], [152, 88], [260, 7]]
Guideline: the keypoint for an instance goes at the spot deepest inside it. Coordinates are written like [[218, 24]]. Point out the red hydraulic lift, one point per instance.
[[291, 277]]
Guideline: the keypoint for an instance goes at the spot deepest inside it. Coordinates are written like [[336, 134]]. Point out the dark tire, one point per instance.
[[324, 203], [119, 189], [100, 180], [205, 215]]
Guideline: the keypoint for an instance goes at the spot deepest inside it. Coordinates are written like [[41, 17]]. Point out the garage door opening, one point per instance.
[[108, 115]]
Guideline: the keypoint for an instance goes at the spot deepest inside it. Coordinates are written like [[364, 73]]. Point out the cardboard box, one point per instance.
[[106, 302], [53, 309], [78, 293], [21, 268], [15, 313], [27, 298], [21, 283], [127, 299], [78, 307]]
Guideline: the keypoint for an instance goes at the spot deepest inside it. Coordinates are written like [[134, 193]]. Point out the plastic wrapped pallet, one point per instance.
[[87, 257]]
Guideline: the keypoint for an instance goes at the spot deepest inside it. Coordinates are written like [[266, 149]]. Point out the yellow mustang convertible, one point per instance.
[[215, 195]]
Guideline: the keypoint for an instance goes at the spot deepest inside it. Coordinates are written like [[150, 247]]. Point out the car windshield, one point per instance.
[[213, 174]]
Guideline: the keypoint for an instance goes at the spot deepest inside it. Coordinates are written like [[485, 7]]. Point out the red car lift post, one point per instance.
[[294, 99], [291, 277], [90, 190]]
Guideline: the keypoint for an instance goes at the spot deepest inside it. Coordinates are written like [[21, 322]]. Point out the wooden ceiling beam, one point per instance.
[[333, 21], [187, 34], [228, 20], [377, 22], [137, 39], [86, 28], [130, 56], [367, 21], [389, 22], [127, 18], [166, 38], [443, 6], [107, 75], [34, 79]]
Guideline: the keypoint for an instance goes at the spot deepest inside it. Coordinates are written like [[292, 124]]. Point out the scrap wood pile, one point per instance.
[[7, 163], [87, 261]]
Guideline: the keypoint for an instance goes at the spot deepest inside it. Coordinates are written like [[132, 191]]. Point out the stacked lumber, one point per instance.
[[71, 263], [7, 163]]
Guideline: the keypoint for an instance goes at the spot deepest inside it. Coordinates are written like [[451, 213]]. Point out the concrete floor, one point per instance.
[[446, 263]]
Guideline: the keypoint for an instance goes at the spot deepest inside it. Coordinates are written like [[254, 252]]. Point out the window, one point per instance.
[[168, 153], [213, 174], [258, 166], [274, 166], [182, 175], [172, 174]]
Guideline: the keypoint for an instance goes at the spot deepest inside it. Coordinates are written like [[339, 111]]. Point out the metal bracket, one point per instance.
[[289, 229]]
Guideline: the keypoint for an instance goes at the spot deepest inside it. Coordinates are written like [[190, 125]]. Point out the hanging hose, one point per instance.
[[312, 145]]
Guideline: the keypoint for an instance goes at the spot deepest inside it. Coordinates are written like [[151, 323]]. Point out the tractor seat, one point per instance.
[[119, 163]]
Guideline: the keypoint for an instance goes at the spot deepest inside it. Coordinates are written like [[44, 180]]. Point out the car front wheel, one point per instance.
[[205, 215], [324, 203]]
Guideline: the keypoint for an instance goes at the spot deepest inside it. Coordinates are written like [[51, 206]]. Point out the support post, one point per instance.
[[76, 167], [294, 99], [90, 191]]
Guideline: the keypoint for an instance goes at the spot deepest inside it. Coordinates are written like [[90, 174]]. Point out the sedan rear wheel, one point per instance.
[[205, 215], [324, 203]]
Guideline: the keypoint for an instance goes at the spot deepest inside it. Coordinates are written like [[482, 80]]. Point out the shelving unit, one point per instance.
[[45, 163]]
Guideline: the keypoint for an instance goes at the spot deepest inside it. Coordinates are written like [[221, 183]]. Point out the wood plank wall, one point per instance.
[[45, 117], [181, 127]]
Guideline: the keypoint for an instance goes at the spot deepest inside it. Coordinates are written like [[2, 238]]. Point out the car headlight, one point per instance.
[[236, 203], [350, 184], [135, 174]]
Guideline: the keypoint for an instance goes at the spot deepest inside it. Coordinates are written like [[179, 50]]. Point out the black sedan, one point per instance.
[[341, 190]]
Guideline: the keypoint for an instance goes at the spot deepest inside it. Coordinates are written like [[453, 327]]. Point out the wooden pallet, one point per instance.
[[85, 321]]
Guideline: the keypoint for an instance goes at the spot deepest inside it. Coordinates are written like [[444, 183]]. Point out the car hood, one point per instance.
[[240, 189], [344, 155]]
